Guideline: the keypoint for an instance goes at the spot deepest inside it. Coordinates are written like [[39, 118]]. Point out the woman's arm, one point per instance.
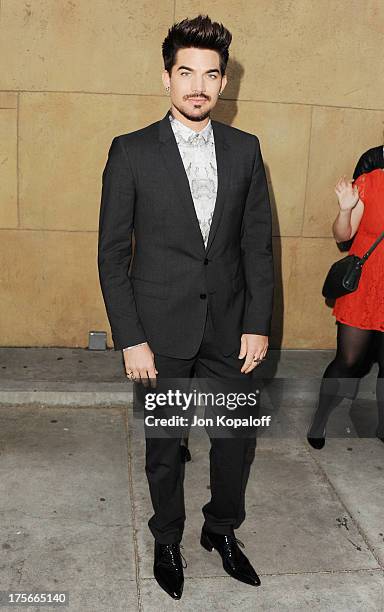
[[351, 210]]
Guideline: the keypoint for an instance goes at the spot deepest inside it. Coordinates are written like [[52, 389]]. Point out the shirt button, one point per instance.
[[203, 296]]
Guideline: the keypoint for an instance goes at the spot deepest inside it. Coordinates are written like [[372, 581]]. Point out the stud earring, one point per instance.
[[167, 89]]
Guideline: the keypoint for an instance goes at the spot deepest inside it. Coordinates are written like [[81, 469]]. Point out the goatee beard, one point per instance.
[[198, 118]]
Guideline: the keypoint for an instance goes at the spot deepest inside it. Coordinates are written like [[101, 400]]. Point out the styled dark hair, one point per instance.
[[199, 32]]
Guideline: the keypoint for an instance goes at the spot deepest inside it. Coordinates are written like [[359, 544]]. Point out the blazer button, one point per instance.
[[203, 296], [205, 261]]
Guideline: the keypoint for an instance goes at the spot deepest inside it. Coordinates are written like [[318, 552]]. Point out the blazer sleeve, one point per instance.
[[257, 255], [115, 247]]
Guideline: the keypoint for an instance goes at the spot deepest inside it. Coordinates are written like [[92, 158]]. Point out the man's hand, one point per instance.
[[252, 347], [140, 361]]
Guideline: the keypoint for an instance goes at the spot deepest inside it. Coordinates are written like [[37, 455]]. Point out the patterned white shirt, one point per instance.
[[197, 150]]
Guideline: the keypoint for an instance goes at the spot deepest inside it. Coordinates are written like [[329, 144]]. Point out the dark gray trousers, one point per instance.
[[230, 458]]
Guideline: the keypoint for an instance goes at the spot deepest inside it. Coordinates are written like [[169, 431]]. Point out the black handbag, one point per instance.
[[344, 275]]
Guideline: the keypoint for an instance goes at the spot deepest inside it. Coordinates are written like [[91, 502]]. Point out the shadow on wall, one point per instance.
[[227, 115]]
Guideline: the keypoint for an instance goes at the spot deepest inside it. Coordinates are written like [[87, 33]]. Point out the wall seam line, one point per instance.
[[18, 161], [307, 173], [154, 95]]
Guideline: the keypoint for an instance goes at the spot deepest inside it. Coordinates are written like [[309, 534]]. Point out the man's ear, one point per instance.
[[223, 82], [166, 78]]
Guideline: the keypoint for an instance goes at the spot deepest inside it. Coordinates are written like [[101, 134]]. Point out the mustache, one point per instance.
[[198, 96]]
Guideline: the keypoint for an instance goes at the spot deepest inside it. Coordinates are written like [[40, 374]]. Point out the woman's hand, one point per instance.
[[347, 195], [351, 211]]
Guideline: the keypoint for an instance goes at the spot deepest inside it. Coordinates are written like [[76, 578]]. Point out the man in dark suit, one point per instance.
[[198, 299]]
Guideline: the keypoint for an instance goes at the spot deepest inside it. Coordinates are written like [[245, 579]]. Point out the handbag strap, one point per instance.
[[364, 258]]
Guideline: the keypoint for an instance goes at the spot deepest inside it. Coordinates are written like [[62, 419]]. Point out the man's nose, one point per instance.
[[198, 86]]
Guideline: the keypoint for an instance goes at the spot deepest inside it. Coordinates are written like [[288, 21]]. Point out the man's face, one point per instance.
[[195, 82]]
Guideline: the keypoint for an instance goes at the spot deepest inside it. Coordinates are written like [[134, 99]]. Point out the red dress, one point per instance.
[[364, 308]]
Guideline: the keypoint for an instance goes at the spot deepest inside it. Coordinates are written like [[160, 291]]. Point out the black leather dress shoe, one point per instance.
[[168, 568], [235, 562]]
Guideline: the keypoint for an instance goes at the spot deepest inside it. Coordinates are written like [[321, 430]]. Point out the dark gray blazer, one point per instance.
[[164, 297]]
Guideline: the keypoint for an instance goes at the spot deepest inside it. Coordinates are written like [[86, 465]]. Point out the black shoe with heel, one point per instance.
[[316, 442], [168, 568], [235, 563], [185, 453]]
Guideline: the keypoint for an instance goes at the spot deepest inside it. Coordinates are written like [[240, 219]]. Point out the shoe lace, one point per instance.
[[183, 558], [240, 542], [170, 550], [232, 538]]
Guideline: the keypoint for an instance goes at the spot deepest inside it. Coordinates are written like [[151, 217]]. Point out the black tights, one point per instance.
[[356, 349]]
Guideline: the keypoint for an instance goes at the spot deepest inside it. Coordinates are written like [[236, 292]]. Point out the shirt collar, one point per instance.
[[188, 133]]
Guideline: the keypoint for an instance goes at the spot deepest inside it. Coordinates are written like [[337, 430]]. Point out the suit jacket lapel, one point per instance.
[[174, 164], [224, 166]]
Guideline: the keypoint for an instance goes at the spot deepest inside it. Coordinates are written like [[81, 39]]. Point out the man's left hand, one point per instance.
[[253, 348]]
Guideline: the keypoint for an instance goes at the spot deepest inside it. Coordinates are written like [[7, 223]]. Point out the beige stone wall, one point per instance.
[[304, 75]]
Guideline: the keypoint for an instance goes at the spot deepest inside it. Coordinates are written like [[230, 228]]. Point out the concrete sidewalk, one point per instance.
[[74, 500]]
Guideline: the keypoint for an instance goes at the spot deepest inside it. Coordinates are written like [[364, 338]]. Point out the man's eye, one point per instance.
[[213, 75], [182, 74]]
